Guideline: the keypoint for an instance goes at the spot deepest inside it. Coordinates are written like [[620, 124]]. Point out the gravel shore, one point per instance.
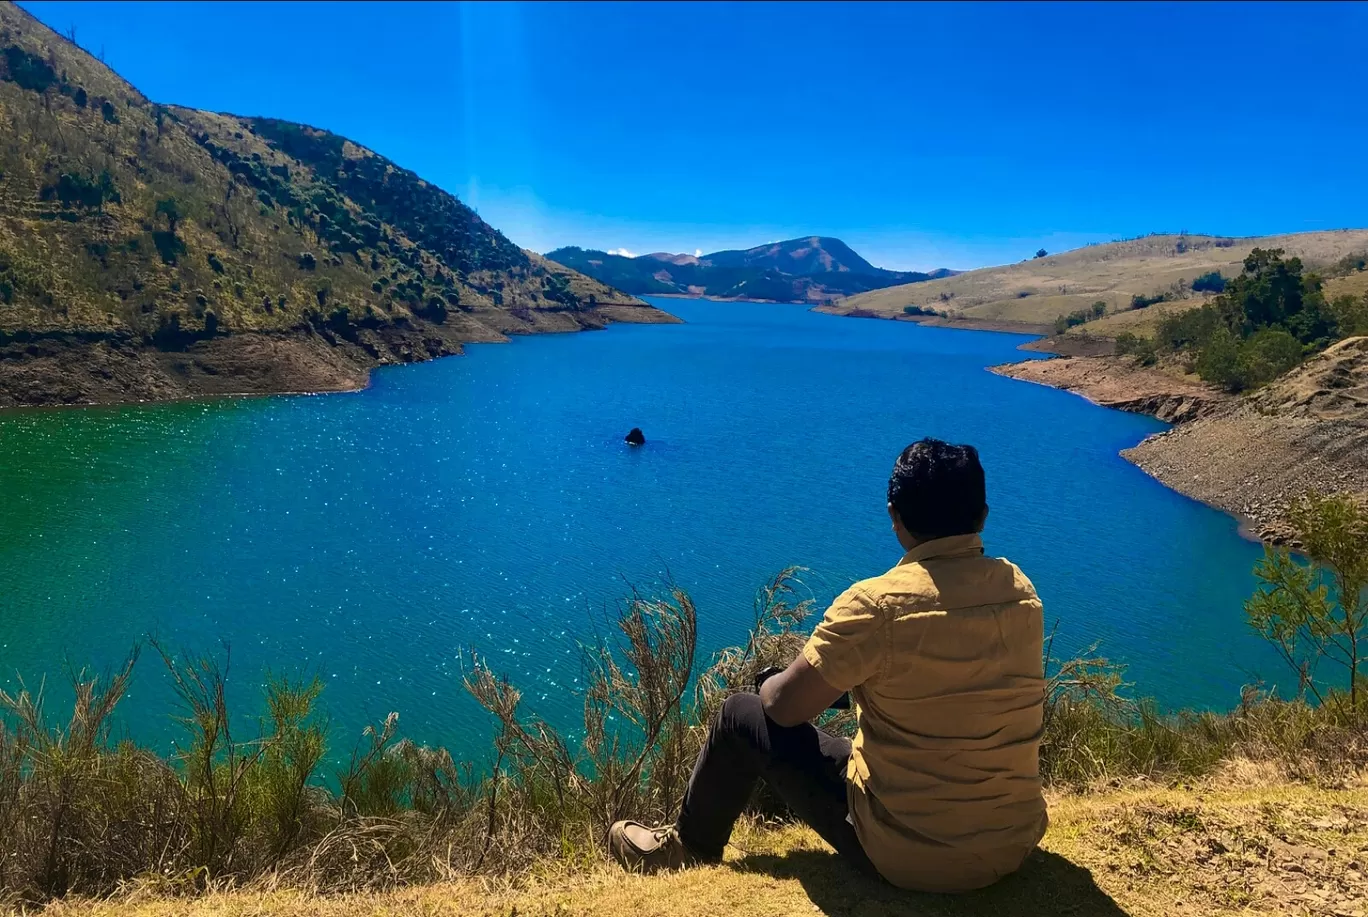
[[1247, 455]]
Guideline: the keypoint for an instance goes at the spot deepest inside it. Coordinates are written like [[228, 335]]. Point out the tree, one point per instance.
[[1219, 360], [168, 208], [1041, 253], [1266, 355], [1316, 611], [1210, 282], [1350, 315]]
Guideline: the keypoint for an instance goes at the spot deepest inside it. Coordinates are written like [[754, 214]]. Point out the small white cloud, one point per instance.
[[621, 251], [698, 253]]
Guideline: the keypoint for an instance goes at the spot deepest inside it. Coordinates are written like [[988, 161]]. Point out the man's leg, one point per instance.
[[805, 766]]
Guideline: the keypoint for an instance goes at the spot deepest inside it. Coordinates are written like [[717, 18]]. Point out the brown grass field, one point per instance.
[[1038, 290], [1235, 845]]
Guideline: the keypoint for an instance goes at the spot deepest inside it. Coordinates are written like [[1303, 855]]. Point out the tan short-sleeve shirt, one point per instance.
[[942, 655]]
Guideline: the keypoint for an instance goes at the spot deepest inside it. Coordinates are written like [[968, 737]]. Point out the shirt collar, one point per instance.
[[954, 546]]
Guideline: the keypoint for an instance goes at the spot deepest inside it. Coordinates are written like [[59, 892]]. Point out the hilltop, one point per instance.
[[1032, 294], [810, 269], [152, 251]]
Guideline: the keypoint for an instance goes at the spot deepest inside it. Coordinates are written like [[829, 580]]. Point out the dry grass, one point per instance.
[[84, 816], [1228, 846], [1114, 272]]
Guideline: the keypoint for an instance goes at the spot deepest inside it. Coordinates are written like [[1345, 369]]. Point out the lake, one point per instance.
[[487, 501]]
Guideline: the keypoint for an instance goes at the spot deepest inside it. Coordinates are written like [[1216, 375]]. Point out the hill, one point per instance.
[[1213, 849], [152, 251], [1035, 292], [810, 269]]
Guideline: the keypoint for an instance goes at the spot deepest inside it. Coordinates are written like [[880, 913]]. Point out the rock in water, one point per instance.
[[635, 437]]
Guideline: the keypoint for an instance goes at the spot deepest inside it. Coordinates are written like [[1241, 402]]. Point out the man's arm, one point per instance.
[[797, 694]]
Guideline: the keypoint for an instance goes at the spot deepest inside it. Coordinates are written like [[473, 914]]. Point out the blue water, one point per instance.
[[487, 502]]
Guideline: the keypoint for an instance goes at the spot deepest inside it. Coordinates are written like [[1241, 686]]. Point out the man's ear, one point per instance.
[[983, 520], [898, 528]]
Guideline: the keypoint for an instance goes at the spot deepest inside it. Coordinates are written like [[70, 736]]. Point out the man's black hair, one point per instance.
[[937, 489]]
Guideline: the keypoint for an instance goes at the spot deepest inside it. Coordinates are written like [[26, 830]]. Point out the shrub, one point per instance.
[[215, 262], [1041, 253], [169, 246], [29, 71], [1219, 360], [919, 310], [1211, 282], [72, 189], [1141, 348], [1139, 301], [1266, 355], [168, 208], [108, 113], [1316, 612], [307, 261], [79, 97]]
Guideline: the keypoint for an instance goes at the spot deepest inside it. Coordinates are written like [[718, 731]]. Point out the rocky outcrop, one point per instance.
[[1119, 383], [1251, 455], [1307, 432]]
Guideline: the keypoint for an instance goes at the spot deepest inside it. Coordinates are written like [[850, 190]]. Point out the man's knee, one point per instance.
[[740, 714]]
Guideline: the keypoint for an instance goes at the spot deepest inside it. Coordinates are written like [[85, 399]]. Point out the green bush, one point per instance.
[[29, 71], [1211, 282], [1141, 348], [1350, 315], [1266, 355]]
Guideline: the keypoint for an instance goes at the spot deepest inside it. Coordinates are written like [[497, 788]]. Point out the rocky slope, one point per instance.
[[150, 251], [1246, 455], [1306, 432], [1118, 384], [809, 269]]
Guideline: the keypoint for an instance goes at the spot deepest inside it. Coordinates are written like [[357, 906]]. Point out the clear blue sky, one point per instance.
[[923, 135]]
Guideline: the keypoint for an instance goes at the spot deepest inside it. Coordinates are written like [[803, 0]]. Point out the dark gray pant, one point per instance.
[[803, 765]]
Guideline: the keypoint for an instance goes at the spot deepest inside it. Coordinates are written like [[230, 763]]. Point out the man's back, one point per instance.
[[943, 657]]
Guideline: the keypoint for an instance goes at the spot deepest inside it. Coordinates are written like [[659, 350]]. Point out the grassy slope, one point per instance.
[[74, 267], [1059, 284], [1233, 847]]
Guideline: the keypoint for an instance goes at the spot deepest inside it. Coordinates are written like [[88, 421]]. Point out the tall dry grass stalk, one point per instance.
[[81, 813]]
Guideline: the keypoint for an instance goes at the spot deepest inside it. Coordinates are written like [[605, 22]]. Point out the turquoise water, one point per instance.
[[487, 501]]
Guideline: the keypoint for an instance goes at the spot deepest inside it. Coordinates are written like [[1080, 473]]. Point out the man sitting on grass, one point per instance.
[[940, 789]]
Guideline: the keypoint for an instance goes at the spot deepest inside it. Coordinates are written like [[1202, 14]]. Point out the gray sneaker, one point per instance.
[[643, 849]]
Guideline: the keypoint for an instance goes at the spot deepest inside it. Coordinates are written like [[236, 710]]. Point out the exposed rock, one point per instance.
[[1251, 455], [635, 437], [1119, 383]]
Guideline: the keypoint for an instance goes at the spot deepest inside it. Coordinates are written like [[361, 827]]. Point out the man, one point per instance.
[[940, 789]]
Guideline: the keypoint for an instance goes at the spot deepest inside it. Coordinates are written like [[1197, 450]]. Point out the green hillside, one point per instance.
[[156, 226]]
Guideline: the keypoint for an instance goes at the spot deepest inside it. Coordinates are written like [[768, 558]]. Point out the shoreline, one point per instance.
[[1249, 456], [87, 370]]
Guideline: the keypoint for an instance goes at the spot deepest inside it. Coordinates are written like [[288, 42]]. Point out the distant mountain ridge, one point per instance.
[[807, 269]]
